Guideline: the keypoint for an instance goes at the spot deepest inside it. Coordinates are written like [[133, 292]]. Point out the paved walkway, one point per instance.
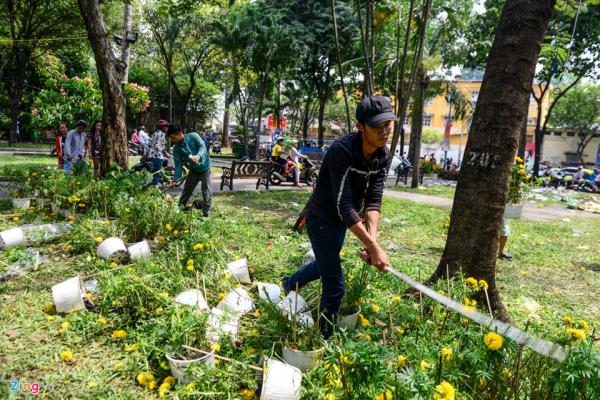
[[530, 211]]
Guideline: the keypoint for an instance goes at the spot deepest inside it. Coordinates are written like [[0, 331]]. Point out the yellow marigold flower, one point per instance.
[[81, 205], [375, 308], [507, 373], [190, 387], [446, 354], [399, 330], [50, 317], [227, 276], [483, 284], [113, 264], [119, 334], [363, 321], [396, 299], [471, 282], [217, 362], [216, 347], [249, 350], [170, 380], [584, 325], [198, 246], [387, 395], [141, 378], [66, 356], [329, 396], [99, 239], [342, 254], [163, 388], [190, 267], [423, 365], [16, 219], [49, 308], [164, 365], [158, 310], [247, 394], [492, 341], [256, 313], [221, 296], [101, 321], [133, 347], [64, 326], [368, 337], [175, 232], [151, 385], [92, 384], [576, 334], [346, 360], [169, 227], [518, 159], [401, 361], [444, 391], [190, 262]]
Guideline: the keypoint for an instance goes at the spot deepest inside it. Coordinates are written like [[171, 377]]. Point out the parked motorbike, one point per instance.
[[308, 173], [136, 149]]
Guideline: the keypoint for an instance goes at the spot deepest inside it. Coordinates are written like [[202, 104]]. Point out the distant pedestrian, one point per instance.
[[190, 149], [18, 132], [158, 150], [144, 138], [63, 129], [74, 148], [135, 138], [504, 232], [94, 146]]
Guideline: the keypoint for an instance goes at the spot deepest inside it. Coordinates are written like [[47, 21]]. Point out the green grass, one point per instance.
[[28, 145], [439, 191], [28, 161], [548, 268]]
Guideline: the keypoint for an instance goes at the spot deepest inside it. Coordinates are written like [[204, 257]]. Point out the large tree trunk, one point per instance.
[[483, 181], [523, 135], [417, 125], [225, 140], [321, 118], [110, 74], [306, 117], [15, 81], [125, 54], [263, 87]]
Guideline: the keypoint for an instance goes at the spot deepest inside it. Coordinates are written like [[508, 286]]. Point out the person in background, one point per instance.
[[94, 146], [158, 150], [18, 132], [144, 138], [295, 155], [190, 149], [134, 136], [63, 129], [276, 156], [74, 149], [504, 232]]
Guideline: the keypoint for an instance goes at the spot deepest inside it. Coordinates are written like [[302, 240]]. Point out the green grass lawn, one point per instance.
[[439, 191], [550, 268]]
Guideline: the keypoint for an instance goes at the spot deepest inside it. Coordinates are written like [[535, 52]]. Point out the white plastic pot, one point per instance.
[[238, 302], [305, 318], [239, 269], [68, 295], [194, 298], [269, 292], [178, 367], [279, 381], [513, 211], [303, 360], [40, 202], [221, 323], [139, 250], [292, 304], [12, 237], [309, 257], [112, 249], [348, 321], [22, 204]]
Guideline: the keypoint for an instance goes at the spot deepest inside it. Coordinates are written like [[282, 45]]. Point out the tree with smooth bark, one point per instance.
[[472, 244]]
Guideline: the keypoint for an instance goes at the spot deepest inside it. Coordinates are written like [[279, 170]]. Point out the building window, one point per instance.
[[547, 133], [570, 134], [474, 95], [427, 120], [557, 133]]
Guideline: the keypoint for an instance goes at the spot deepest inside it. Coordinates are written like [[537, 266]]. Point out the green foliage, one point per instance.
[[579, 109], [431, 136]]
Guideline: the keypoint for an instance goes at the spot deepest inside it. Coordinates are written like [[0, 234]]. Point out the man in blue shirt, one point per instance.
[[190, 149], [74, 150]]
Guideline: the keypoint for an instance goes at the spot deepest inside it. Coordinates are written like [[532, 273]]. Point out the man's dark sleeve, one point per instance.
[[340, 164], [376, 186]]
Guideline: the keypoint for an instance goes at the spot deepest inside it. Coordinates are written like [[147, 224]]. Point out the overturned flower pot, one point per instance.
[[222, 323], [303, 360], [269, 292], [22, 204], [12, 237], [238, 302], [68, 295], [292, 304], [112, 249], [279, 381], [194, 298], [239, 270], [178, 366], [139, 250]]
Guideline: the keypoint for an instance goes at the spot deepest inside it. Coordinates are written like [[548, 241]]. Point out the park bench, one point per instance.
[[405, 173], [243, 169]]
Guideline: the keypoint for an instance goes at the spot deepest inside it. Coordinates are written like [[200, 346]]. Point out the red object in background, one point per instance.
[[58, 144], [272, 123], [447, 135], [530, 147]]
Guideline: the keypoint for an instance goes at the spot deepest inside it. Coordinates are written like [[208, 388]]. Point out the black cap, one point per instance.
[[374, 110], [81, 123]]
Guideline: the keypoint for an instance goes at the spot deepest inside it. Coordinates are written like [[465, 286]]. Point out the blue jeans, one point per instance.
[[157, 164], [327, 242]]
